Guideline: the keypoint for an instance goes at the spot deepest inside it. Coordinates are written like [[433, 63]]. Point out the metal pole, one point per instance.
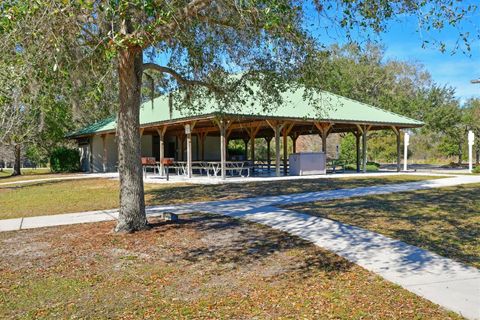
[[471, 138]]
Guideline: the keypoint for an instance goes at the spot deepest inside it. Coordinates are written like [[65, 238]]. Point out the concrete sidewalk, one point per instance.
[[443, 281], [438, 279], [221, 207]]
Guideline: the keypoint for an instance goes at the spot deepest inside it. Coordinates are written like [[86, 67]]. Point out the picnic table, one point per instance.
[[213, 168]]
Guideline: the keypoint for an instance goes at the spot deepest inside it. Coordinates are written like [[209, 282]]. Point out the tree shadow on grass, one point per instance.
[[233, 242], [445, 221], [191, 193]]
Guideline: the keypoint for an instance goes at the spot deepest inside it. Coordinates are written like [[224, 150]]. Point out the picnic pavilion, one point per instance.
[[198, 140]]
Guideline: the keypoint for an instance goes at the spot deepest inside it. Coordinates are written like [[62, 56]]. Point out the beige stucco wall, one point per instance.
[[97, 153]]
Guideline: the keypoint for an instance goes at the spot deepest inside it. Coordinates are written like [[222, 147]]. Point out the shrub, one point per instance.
[[373, 164], [476, 169], [65, 160], [370, 167]]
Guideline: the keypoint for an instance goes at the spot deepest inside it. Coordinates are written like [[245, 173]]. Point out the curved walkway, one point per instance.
[[438, 279]]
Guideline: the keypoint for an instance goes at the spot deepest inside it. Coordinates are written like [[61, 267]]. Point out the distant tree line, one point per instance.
[[404, 87]]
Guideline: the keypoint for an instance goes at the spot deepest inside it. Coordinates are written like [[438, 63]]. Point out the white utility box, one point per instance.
[[307, 163]]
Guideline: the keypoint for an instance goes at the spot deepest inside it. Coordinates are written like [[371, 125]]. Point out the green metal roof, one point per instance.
[[324, 106]]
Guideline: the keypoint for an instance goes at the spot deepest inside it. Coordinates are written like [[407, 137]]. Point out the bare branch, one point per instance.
[[179, 78]]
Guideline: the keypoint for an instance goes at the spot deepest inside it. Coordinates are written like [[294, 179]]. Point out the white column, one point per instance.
[[161, 135], [471, 138], [406, 143], [188, 132]]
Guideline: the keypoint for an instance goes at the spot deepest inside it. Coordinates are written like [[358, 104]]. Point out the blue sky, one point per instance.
[[402, 41]]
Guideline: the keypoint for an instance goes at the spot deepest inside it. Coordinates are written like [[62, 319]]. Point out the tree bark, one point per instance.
[[17, 162], [132, 215]]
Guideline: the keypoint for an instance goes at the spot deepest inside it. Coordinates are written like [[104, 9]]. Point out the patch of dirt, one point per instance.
[[203, 266]]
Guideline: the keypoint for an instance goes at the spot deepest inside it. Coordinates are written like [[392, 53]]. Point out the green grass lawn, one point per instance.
[[29, 174], [204, 267], [53, 197], [445, 221], [25, 171]]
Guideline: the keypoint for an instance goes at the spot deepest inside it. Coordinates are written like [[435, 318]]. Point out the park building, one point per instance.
[[196, 143]]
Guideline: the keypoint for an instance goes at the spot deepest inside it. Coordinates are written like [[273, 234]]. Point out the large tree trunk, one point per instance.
[[132, 202], [17, 162]]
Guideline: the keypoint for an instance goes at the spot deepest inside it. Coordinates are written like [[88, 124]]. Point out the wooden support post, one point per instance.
[[364, 130], [277, 129], [357, 140], [188, 133], [269, 158], [252, 132], [245, 141], [286, 132], [176, 155], [285, 154], [324, 142], [182, 146], [161, 136], [325, 129], [223, 147], [201, 138], [277, 150], [399, 152], [252, 149], [364, 150], [294, 138], [105, 153]]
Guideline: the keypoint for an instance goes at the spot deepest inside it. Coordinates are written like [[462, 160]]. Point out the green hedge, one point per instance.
[[65, 160], [476, 169]]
